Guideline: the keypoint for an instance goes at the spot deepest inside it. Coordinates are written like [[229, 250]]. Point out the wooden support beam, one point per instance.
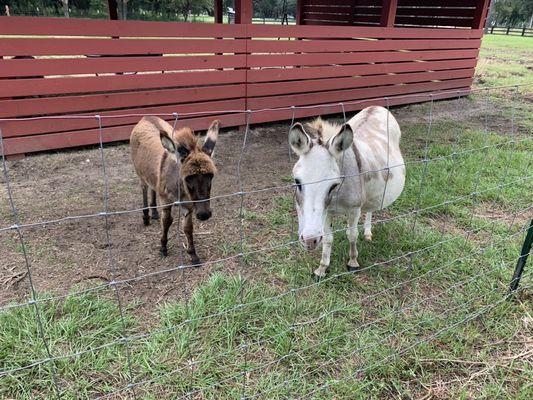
[[244, 11], [219, 12], [388, 12], [299, 12], [480, 15], [113, 9]]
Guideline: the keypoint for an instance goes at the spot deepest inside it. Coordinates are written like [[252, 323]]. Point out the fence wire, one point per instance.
[[451, 317]]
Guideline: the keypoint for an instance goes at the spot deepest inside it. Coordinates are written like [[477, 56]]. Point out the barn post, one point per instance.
[[219, 14], [299, 12], [388, 13], [244, 11], [113, 9], [480, 14]]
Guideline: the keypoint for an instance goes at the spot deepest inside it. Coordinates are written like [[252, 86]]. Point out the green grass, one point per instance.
[[345, 332], [505, 60]]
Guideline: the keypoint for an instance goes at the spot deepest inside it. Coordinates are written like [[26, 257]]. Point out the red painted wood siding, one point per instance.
[[110, 68]]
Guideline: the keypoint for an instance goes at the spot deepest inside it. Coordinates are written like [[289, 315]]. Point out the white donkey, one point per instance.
[[345, 169]]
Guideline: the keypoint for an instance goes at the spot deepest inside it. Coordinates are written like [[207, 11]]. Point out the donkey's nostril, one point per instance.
[[204, 215]]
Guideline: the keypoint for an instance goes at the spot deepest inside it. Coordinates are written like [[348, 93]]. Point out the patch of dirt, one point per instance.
[[73, 254]]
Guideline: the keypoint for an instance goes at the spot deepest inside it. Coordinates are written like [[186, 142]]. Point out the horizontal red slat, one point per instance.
[[317, 46], [355, 58], [62, 140], [336, 8], [330, 2], [423, 21], [326, 17], [269, 89], [40, 126], [285, 74], [94, 27], [71, 66], [38, 47], [434, 12], [311, 19], [287, 114], [325, 23], [299, 31], [50, 86], [437, 3], [56, 27], [366, 18], [86, 103], [352, 94]]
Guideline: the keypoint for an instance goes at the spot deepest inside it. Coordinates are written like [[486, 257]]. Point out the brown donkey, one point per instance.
[[175, 167]]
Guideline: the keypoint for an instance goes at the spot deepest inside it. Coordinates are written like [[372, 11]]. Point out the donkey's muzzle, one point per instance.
[[204, 215], [310, 243]]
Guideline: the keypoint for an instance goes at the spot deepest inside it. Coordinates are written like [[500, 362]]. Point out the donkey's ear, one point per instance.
[[167, 142], [299, 139], [211, 138], [341, 141]]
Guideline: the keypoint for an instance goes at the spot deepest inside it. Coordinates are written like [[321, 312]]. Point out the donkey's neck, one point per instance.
[[170, 177], [352, 192], [350, 162]]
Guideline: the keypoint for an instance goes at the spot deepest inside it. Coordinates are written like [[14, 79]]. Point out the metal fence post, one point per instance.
[[508, 29], [526, 248]]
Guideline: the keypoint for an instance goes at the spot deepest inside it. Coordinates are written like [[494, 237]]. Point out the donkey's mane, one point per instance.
[[323, 130]]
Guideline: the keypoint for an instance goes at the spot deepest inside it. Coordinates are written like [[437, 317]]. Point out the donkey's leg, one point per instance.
[[153, 203], [327, 241], [368, 226], [146, 216], [188, 229], [352, 232], [166, 221]]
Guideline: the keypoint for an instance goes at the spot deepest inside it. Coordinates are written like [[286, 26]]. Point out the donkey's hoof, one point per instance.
[[155, 215], [196, 262], [146, 221], [163, 252], [353, 267], [368, 237]]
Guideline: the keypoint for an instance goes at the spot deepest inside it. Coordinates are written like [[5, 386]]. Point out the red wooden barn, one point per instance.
[[339, 51]]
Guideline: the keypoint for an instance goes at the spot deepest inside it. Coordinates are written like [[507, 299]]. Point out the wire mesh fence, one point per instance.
[[263, 328]]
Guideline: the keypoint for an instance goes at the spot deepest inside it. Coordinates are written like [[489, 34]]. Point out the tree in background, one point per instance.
[[513, 12], [141, 9], [65, 8], [185, 8], [273, 8], [266, 8]]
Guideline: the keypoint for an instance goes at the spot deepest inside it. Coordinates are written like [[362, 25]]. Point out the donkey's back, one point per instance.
[[376, 122], [377, 140]]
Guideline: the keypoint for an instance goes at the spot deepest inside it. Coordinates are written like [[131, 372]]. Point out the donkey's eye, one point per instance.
[[332, 188], [298, 184]]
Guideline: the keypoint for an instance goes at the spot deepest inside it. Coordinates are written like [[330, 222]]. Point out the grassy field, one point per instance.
[[428, 318]]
